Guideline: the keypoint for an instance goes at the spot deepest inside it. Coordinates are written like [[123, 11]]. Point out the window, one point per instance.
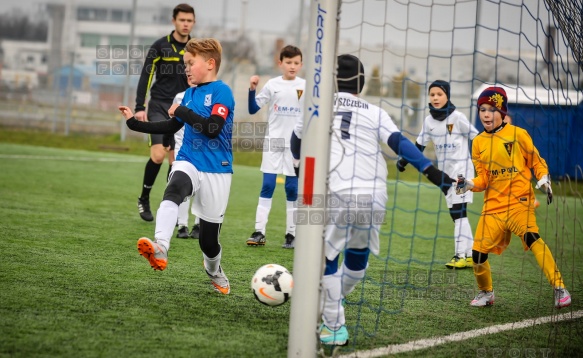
[[120, 15], [146, 41], [83, 13], [90, 40], [91, 14], [162, 16], [100, 15], [119, 40]]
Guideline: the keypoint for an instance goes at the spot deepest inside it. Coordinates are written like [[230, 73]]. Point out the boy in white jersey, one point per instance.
[[184, 206], [283, 94], [358, 190], [451, 132], [203, 167]]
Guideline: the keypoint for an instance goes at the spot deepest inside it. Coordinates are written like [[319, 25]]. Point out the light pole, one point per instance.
[[126, 87]]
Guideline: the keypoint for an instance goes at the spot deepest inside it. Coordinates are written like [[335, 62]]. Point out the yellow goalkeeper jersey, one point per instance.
[[504, 162]]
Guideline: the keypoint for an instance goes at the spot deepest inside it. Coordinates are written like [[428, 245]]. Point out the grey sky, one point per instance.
[[422, 23], [268, 15]]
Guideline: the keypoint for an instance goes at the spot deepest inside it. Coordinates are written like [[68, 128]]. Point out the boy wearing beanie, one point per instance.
[[358, 191], [505, 157], [451, 132]]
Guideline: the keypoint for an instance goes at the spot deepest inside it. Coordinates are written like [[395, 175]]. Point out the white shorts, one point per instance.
[[210, 191], [279, 161], [452, 198], [355, 217]]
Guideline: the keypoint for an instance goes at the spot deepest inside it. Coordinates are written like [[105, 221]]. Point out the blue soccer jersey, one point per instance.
[[211, 155]]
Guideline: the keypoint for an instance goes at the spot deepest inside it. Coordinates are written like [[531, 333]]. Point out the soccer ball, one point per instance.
[[272, 285]]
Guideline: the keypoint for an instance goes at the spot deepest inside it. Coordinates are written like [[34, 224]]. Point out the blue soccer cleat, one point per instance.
[[332, 337]]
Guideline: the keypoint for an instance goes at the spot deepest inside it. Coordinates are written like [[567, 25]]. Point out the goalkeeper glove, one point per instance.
[[544, 184], [297, 167], [401, 164], [463, 185], [439, 178]]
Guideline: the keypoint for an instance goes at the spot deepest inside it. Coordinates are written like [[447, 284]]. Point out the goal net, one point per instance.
[[409, 301]]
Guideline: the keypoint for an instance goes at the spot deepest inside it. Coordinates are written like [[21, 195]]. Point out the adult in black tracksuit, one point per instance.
[[164, 60]]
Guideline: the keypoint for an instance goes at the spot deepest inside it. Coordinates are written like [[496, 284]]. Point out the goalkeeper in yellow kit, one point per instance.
[[505, 157]]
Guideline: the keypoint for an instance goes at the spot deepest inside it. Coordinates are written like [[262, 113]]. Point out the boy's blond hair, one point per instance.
[[207, 48]]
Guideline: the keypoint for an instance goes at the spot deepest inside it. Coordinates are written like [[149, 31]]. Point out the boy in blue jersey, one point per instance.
[[203, 165], [183, 208]]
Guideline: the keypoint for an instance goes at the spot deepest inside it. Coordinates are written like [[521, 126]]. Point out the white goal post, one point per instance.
[[320, 64]]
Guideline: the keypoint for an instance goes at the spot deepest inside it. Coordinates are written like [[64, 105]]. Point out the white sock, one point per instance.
[[460, 241], [331, 301], [192, 206], [166, 217], [290, 218], [262, 214], [350, 279], [466, 233], [212, 264], [183, 213]]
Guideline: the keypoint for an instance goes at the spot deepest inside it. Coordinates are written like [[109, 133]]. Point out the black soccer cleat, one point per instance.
[[256, 239], [144, 209], [195, 232], [182, 232], [289, 241]]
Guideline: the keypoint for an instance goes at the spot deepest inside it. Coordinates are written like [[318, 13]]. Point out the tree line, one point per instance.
[[20, 27]]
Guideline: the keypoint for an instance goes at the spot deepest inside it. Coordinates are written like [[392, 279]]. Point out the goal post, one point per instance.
[[320, 64]]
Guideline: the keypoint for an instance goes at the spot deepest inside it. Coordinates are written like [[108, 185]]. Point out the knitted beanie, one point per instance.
[[496, 97], [441, 84]]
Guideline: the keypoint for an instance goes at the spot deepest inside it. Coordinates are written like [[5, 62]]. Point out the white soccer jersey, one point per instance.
[[178, 98], [286, 104], [356, 159], [450, 138], [178, 136]]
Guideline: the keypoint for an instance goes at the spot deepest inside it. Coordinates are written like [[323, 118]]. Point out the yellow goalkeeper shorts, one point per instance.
[[494, 231]]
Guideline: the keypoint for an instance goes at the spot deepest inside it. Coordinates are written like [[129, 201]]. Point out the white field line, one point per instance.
[[73, 159], [461, 336]]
